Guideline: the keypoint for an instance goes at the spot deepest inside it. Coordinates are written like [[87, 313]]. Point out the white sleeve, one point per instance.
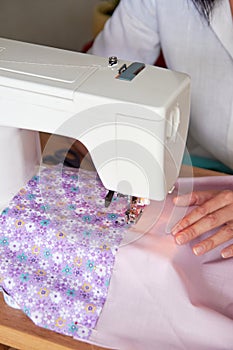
[[131, 33]]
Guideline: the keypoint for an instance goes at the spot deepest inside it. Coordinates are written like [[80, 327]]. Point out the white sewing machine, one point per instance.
[[134, 124]]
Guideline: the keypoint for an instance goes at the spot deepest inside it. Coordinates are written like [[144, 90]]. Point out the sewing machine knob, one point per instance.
[[112, 61]]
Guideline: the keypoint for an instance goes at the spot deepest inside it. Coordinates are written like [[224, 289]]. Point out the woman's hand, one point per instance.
[[215, 210]]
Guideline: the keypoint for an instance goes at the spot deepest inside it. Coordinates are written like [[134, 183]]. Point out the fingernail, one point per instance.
[[226, 254], [198, 250], [175, 229], [181, 239]]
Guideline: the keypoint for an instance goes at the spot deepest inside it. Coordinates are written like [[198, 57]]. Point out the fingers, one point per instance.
[[222, 236], [213, 212], [207, 223]]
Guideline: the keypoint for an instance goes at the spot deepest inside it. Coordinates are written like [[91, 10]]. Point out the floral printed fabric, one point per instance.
[[57, 248]]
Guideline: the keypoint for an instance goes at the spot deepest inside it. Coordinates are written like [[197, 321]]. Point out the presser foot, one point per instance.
[[135, 208]]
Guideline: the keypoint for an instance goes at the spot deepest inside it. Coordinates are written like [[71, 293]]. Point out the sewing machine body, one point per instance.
[[134, 130]]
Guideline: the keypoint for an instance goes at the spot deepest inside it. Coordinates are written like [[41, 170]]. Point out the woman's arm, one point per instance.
[[131, 33]]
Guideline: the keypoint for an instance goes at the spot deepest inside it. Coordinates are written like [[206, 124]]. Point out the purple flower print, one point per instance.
[[59, 244]]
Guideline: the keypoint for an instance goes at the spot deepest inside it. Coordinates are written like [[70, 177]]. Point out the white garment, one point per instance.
[[139, 28]]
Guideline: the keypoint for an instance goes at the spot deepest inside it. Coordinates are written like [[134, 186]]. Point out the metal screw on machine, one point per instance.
[[112, 61]]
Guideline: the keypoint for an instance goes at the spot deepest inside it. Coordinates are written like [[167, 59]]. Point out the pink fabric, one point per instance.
[[163, 297]]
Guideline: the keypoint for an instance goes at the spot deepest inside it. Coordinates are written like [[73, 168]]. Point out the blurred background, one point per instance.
[[61, 23]]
